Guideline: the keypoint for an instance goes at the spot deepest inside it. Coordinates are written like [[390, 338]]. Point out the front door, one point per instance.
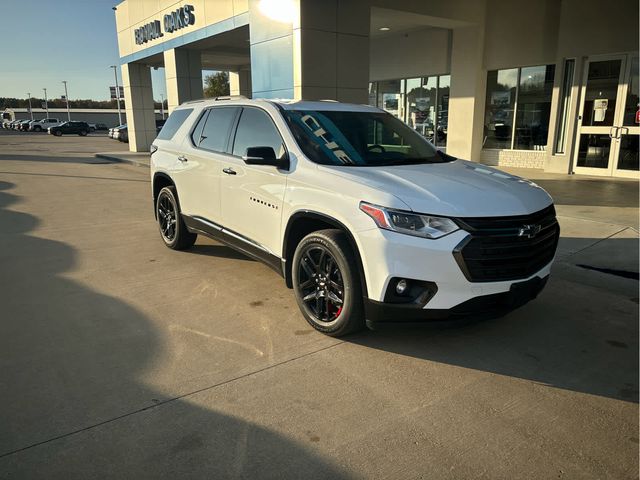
[[609, 121], [253, 195]]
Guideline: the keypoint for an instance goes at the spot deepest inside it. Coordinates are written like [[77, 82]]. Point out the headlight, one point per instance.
[[426, 226]]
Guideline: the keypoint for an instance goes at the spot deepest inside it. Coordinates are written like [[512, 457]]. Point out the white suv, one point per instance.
[[365, 219]]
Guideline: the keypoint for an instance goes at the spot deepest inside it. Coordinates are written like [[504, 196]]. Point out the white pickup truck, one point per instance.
[[44, 124]]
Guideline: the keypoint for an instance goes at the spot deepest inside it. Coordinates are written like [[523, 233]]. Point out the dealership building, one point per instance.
[[550, 84]]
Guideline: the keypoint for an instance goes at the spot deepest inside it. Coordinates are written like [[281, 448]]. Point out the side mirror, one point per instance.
[[265, 156]]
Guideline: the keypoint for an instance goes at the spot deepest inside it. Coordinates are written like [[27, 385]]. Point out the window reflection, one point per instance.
[[389, 98], [534, 107], [501, 98]]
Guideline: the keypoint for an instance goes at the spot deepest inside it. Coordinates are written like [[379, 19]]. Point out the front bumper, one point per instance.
[[479, 308], [390, 255]]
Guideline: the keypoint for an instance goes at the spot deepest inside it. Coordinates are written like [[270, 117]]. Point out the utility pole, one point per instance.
[[115, 73], [162, 104], [66, 97], [30, 109], [46, 104]]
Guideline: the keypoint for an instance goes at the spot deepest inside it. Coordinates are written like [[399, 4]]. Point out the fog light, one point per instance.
[[401, 287]]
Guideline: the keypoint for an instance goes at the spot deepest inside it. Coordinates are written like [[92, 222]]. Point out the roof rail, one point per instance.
[[231, 97]]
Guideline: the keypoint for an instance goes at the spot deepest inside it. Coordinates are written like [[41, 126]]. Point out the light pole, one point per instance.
[[30, 109], [162, 105], [115, 73], [66, 97], [46, 104]]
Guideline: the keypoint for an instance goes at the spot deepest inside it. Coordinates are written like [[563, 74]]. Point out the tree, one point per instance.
[[216, 85]]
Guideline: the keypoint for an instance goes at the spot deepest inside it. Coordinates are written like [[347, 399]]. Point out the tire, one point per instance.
[[332, 276], [175, 235], [83, 133], [37, 128], [57, 133]]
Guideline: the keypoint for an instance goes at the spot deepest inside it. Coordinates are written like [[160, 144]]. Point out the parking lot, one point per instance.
[[123, 358]]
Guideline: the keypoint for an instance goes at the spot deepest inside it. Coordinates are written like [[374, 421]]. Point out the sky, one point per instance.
[[44, 42]]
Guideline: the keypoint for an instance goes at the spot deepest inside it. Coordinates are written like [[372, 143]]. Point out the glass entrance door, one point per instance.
[[608, 128]]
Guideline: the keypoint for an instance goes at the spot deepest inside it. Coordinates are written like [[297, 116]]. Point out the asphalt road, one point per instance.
[[123, 359]]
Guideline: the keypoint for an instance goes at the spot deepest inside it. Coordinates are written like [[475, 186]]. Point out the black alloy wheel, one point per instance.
[[167, 217], [327, 284], [320, 283], [174, 232]]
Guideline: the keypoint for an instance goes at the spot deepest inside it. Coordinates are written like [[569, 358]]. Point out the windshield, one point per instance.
[[359, 139]]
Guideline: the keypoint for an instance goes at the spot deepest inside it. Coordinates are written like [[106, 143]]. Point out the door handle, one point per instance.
[[229, 171], [182, 158]]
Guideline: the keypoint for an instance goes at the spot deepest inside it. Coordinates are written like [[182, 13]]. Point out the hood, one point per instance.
[[454, 189]]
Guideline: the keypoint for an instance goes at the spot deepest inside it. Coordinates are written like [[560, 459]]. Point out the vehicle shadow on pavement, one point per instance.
[[73, 404], [219, 250], [52, 159], [574, 336]]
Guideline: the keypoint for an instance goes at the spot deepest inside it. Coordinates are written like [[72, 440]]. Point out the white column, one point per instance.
[[240, 83], [183, 74], [139, 107], [467, 94]]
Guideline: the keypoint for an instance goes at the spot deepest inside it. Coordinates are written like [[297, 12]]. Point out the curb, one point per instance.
[[130, 161]]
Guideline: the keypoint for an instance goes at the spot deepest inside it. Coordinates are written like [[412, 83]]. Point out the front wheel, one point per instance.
[[57, 133], [37, 128], [327, 283], [83, 133], [173, 231]]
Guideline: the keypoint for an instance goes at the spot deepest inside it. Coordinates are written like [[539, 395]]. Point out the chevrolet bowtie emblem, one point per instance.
[[529, 231]]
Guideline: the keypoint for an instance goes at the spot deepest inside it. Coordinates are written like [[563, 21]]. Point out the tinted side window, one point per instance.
[[256, 129], [217, 127], [174, 122]]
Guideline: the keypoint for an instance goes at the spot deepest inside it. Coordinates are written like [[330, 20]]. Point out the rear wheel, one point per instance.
[[327, 284], [83, 133], [37, 128], [173, 231], [57, 133]]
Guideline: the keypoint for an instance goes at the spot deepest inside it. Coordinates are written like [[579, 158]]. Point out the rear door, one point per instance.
[[252, 195]]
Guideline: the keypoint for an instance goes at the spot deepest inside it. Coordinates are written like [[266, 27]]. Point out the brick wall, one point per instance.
[[514, 158]]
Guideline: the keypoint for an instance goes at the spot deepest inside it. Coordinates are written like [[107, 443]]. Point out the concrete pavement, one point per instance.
[[123, 359]]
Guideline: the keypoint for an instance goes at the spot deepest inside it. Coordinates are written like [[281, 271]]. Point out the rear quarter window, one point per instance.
[[173, 123]]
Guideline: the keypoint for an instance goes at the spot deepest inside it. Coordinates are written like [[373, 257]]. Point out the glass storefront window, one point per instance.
[[500, 105], [373, 94], [421, 105], [390, 98], [533, 107], [565, 103], [520, 94], [632, 105], [444, 83]]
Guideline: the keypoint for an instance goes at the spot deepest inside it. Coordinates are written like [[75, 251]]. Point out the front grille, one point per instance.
[[496, 251]]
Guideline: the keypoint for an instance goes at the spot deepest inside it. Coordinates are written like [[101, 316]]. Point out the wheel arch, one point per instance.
[[304, 222], [160, 180]]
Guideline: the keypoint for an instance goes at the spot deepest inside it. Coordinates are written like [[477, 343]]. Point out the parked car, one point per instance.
[[363, 217], [122, 135], [23, 125], [44, 124], [66, 128], [14, 124], [101, 127], [159, 125], [112, 131], [92, 127]]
